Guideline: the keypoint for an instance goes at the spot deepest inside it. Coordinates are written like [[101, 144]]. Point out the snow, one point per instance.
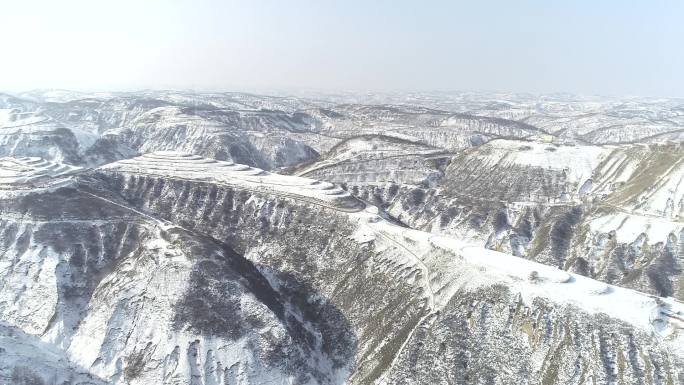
[[84, 138], [31, 172], [179, 165], [42, 359], [667, 195], [617, 168], [12, 121], [629, 227], [578, 161], [61, 96]]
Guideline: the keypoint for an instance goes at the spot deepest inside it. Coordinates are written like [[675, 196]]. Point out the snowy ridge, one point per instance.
[[177, 165], [663, 316], [629, 227], [33, 172], [578, 161], [375, 158]]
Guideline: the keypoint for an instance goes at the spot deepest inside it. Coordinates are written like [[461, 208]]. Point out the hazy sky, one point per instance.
[[618, 47]]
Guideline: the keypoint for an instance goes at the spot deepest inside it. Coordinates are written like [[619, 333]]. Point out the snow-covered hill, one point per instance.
[[164, 237], [173, 268]]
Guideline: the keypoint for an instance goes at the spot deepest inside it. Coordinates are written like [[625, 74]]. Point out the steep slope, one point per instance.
[[366, 267], [136, 300]]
